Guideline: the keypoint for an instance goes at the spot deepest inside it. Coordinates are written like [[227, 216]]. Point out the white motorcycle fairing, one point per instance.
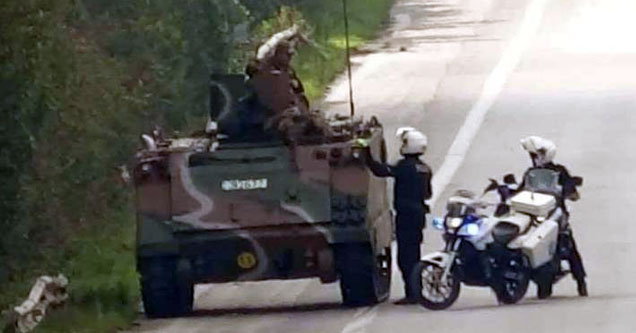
[[484, 237], [439, 258]]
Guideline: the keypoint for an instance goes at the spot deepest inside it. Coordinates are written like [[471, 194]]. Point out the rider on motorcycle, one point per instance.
[[542, 153]]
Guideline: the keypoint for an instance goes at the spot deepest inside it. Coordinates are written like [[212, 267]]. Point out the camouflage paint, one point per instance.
[[318, 195]]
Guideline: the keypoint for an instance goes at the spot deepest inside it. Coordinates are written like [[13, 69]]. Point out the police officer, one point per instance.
[[412, 187], [542, 152]]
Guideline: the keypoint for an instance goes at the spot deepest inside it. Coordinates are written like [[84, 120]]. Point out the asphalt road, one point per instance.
[[476, 76]]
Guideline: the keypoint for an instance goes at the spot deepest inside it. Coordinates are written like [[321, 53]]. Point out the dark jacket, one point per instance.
[[412, 182]]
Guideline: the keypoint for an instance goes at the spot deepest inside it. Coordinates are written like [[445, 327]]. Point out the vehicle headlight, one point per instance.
[[146, 167], [454, 222], [472, 229]]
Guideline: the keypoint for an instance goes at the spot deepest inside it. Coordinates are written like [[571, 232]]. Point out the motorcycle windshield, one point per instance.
[[543, 181]]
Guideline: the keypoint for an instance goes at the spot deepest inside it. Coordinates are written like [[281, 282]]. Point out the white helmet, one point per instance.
[[413, 141], [541, 150]]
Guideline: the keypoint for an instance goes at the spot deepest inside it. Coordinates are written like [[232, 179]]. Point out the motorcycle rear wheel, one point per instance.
[[429, 290]]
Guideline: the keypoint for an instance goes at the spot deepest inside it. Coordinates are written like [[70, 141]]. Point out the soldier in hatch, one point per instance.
[[279, 91]]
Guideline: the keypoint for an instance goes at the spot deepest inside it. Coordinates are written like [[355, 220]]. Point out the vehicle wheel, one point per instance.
[[384, 262], [365, 279], [431, 292], [515, 278], [165, 293]]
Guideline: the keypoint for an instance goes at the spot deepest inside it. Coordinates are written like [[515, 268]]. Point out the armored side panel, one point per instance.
[[242, 188], [194, 201]]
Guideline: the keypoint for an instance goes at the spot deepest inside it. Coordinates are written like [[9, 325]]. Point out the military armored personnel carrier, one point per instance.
[[261, 195], [215, 210]]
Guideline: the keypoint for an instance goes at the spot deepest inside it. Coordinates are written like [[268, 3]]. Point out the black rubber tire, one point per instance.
[[384, 264], [513, 290], [165, 292], [362, 280], [418, 286]]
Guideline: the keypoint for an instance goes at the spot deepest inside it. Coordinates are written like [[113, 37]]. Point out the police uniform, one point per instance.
[[412, 187]]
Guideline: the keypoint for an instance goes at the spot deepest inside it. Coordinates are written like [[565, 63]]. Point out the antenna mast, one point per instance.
[[346, 24]]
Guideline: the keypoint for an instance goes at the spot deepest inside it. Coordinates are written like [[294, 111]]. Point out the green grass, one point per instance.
[[87, 318], [103, 281], [317, 67], [318, 63], [103, 284]]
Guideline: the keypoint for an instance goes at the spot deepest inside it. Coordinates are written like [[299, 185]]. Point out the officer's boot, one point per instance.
[[582, 287]]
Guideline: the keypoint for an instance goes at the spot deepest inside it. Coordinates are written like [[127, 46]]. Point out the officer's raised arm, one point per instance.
[[377, 168]]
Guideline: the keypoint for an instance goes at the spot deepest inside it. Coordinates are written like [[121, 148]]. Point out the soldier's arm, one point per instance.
[[377, 168], [267, 49]]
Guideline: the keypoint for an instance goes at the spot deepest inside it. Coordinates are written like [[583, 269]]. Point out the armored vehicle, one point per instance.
[[216, 207]]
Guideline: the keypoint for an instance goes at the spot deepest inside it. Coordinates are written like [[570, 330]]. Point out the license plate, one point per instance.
[[244, 185]]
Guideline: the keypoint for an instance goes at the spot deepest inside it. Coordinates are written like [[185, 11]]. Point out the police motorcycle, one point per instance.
[[496, 249]]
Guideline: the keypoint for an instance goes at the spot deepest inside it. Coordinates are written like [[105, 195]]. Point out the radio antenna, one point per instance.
[[346, 25]]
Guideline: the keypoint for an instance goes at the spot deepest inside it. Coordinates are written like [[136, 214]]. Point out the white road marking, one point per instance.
[[459, 148], [492, 87], [362, 319]]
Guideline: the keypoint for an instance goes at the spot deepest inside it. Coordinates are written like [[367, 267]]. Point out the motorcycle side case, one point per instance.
[[540, 243]]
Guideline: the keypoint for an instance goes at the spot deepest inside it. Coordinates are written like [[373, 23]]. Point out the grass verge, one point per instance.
[[99, 261], [318, 67], [103, 285]]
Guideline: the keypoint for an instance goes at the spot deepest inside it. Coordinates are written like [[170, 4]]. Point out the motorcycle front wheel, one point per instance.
[[429, 289], [514, 280]]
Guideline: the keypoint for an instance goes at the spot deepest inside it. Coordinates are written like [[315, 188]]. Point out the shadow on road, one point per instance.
[[555, 300], [268, 310]]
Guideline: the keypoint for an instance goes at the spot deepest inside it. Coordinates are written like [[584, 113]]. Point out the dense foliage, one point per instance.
[[81, 79]]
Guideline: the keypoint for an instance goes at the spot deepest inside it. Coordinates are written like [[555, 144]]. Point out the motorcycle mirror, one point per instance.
[[510, 179], [493, 186], [438, 223], [578, 181]]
